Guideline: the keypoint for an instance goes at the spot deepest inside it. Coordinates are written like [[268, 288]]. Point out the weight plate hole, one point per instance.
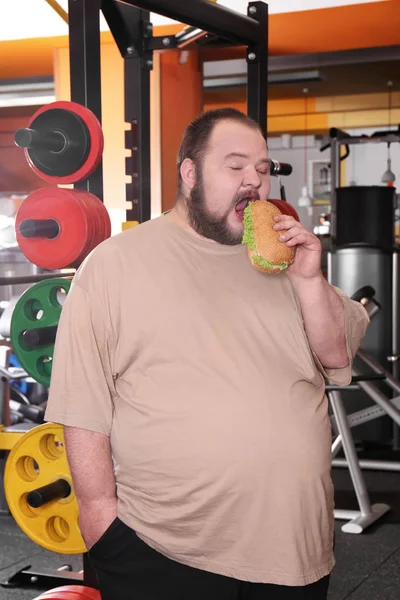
[[33, 309], [43, 366], [57, 296], [57, 529], [25, 508], [27, 468], [51, 447]]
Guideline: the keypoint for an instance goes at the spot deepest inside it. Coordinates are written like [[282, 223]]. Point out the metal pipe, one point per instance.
[[395, 334], [350, 453], [59, 10], [335, 176], [379, 398], [375, 366], [336, 446], [192, 36], [215, 19], [34, 278], [372, 465]]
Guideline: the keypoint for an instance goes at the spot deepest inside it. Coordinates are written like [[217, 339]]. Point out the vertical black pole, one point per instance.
[[85, 74], [137, 113], [257, 68]]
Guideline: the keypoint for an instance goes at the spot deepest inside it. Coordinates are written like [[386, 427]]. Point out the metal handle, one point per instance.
[[52, 491], [40, 140], [32, 338], [44, 228]]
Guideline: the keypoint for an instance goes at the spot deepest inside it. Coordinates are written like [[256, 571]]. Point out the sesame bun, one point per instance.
[[266, 253]]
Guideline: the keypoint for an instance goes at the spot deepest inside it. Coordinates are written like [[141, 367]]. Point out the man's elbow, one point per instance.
[[337, 359]]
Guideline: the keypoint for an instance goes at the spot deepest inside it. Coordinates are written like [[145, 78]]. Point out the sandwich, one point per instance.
[[266, 253]]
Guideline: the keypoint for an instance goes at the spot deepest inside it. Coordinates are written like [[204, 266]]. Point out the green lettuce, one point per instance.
[[249, 241]]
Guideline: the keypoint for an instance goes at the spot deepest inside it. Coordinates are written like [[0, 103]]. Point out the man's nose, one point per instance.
[[252, 177]]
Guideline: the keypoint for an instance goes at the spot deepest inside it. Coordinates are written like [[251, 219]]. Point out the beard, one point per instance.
[[207, 224]]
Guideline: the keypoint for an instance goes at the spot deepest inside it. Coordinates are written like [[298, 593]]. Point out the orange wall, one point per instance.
[[339, 28], [181, 101]]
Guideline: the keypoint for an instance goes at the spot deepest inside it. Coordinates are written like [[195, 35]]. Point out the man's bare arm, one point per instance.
[[324, 321], [89, 457]]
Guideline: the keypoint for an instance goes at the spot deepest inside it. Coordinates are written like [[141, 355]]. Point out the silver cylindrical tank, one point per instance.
[[351, 268]]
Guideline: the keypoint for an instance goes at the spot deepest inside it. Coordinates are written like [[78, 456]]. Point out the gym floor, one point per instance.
[[368, 565]]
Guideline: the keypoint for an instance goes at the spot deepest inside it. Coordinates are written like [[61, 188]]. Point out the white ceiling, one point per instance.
[[21, 19]]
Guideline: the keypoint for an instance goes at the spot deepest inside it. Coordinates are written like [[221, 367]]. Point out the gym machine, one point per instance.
[[363, 260], [129, 22]]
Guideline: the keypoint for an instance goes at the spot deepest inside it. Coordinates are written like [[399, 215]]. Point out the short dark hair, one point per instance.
[[197, 134]]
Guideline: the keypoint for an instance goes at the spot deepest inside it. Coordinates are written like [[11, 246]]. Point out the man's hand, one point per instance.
[[307, 264]]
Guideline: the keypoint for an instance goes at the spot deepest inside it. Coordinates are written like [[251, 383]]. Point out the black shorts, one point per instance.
[[128, 569]]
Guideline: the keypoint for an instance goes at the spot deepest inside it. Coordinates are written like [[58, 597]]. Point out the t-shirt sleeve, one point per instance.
[[356, 323], [81, 384]]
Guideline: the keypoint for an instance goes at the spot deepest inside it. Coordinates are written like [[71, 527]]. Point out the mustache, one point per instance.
[[253, 194]]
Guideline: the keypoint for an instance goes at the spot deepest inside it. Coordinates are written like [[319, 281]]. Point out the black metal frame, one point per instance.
[[85, 74], [129, 22]]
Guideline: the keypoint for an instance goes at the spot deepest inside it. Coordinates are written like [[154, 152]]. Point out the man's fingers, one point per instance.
[[302, 239], [290, 233], [284, 222]]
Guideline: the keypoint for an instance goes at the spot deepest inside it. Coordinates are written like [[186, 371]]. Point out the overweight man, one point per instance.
[[192, 391]]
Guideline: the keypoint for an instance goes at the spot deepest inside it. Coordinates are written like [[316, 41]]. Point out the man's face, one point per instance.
[[235, 170]]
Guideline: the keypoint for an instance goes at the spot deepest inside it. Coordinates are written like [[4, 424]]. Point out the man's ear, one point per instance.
[[188, 173]]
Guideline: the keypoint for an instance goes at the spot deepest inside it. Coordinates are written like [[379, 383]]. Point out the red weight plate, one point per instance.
[[70, 592], [99, 222], [285, 208], [86, 201], [96, 142], [63, 206]]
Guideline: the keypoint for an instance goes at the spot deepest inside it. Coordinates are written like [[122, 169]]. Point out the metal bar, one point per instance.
[[85, 75], [350, 453], [359, 522], [58, 9], [161, 42], [369, 414], [392, 138], [395, 335], [137, 113], [335, 176], [281, 79], [216, 19], [380, 399], [16, 280], [371, 465], [118, 26], [330, 59], [375, 366], [257, 67], [336, 446], [44, 578]]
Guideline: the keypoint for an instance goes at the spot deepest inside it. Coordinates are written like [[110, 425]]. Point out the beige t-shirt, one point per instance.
[[199, 369]]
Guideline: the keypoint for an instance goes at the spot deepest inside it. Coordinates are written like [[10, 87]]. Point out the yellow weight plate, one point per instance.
[[37, 459]]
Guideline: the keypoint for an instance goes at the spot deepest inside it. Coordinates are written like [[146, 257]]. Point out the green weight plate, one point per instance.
[[33, 326]]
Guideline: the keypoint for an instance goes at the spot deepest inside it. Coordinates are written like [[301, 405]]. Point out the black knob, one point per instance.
[[52, 491], [33, 228], [35, 139], [39, 337]]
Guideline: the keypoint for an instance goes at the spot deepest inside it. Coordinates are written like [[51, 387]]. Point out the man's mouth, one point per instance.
[[243, 202]]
